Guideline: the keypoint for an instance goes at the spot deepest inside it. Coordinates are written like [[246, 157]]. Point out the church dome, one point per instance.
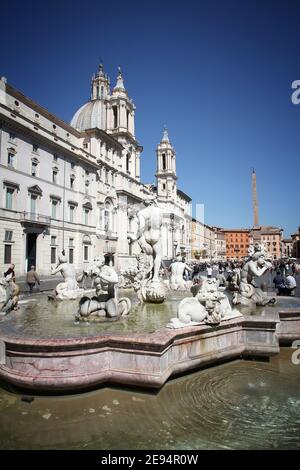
[[92, 114]]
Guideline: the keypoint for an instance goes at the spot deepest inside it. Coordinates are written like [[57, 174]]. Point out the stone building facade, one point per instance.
[[296, 244], [287, 247], [220, 244], [237, 242], [76, 187], [270, 237], [208, 242]]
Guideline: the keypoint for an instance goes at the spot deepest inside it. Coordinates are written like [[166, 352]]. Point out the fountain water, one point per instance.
[[238, 405]]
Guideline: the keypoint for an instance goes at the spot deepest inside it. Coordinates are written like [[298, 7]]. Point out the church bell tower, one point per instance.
[[166, 169]]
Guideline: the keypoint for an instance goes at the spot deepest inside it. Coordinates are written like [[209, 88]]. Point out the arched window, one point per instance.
[[163, 161], [102, 92], [86, 241], [108, 216]]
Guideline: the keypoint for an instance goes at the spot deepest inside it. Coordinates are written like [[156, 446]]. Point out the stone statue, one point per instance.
[[209, 306], [148, 236], [256, 266], [233, 280], [133, 276], [69, 289], [9, 295], [178, 269], [105, 303], [149, 233], [140, 281], [127, 277], [90, 271]]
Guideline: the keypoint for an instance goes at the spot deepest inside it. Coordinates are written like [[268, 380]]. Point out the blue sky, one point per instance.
[[218, 73]]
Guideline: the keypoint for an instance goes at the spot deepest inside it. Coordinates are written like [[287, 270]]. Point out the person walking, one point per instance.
[[31, 278], [11, 272]]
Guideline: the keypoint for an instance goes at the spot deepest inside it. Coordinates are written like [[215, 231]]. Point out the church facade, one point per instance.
[[76, 187]]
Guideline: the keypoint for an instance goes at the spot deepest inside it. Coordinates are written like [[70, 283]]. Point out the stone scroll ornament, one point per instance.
[[147, 283], [9, 295], [105, 304], [209, 306], [257, 264]]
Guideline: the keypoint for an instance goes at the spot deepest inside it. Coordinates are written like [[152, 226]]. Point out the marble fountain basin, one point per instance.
[[43, 349]]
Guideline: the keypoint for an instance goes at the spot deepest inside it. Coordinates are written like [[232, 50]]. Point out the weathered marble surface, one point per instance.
[[256, 266], [146, 360], [106, 302], [9, 295], [148, 284], [210, 305], [177, 281], [289, 327], [68, 289]]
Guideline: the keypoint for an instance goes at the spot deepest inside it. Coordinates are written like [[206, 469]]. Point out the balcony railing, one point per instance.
[[35, 218]]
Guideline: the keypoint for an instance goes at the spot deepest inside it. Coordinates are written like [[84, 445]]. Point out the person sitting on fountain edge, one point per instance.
[[290, 284], [279, 283]]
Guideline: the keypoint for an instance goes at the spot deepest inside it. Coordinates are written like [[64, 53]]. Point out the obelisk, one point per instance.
[[254, 199]]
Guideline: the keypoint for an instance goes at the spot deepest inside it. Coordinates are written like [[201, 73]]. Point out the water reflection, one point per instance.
[[243, 404], [44, 319]]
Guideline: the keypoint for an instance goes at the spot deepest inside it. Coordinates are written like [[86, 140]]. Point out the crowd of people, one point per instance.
[[228, 273]]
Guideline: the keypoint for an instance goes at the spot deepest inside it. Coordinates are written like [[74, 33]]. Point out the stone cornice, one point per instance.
[[11, 184], [40, 110], [105, 136], [127, 135], [133, 196], [45, 140], [37, 178]]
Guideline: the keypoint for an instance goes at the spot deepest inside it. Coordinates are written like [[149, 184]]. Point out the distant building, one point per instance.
[[287, 247], [220, 244], [296, 244], [237, 242], [197, 240], [271, 237], [207, 242]]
